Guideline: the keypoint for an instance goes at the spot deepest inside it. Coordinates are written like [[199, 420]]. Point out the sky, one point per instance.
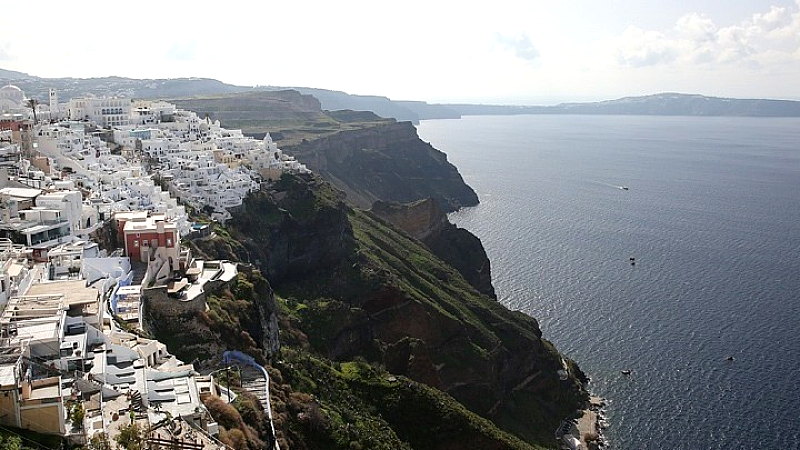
[[501, 52]]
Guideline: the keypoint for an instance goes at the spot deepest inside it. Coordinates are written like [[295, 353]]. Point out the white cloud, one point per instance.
[[439, 51], [6, 54], [764, 38], [639, 48], [184, 50], [696, 27], [520, 45]]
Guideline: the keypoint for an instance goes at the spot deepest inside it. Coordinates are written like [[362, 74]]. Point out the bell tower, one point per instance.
[[54, 113]]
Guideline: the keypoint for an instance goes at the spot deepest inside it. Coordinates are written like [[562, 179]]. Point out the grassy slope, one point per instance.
[[334, 302], [357, 405], [340, 310]]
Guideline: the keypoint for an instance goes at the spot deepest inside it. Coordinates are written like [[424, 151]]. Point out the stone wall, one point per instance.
[[156, 299]]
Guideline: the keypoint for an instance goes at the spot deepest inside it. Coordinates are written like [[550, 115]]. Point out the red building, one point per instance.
[[144, 237]]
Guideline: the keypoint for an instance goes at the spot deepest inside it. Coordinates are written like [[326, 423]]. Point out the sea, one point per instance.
[[666, 246]]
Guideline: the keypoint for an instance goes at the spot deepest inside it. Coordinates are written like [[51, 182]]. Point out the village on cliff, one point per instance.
[[72, 363]]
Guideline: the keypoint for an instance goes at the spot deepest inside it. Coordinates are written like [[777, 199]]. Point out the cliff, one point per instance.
[[242, 317], [388, 162], [459, 248], [351, 287]]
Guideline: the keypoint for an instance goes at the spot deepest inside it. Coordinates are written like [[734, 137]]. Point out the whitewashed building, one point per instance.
[[105, 112]]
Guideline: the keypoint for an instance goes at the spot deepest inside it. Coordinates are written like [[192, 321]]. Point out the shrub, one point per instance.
[[131, 437], [236, 439], [225, 414]]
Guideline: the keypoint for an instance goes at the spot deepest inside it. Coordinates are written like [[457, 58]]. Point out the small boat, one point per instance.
[[626, 371], [624, 188]]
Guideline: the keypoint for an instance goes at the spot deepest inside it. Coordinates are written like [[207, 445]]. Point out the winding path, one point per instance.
[[237, 357]]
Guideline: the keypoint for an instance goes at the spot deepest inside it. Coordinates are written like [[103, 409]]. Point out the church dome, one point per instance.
[[12, 92]]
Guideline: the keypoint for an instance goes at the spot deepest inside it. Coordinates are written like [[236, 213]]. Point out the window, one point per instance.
[[136, 243], [169, 242]]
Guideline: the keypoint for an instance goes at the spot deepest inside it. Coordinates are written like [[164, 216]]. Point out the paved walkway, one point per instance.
[[589, 423]]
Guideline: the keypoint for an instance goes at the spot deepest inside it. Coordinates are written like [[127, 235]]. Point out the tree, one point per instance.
[[131, 437], [99, 442], [77, 413], [32, 104]]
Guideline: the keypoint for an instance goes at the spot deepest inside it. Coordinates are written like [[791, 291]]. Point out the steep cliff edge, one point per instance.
[[354, 287], [459, 248], [388, 162], [366, 156]]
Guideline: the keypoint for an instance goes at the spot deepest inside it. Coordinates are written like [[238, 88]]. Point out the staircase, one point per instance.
[[136, 402], [139, 270], [253, 381]]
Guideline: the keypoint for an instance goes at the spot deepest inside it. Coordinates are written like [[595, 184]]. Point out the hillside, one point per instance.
[[350, 288], [402, 110], [38, 88]]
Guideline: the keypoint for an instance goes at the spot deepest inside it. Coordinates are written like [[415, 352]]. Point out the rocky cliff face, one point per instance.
[[385, 162], [420, 219], [242, 317], [357, 288], [459, 248]]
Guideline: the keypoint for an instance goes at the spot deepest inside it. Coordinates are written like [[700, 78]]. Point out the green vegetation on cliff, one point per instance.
[[357, 405], [351, 288]]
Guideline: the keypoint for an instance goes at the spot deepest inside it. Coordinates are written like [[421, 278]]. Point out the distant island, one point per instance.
[[662, 104]]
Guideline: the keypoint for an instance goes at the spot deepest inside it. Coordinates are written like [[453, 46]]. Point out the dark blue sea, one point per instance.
[[711, 216]]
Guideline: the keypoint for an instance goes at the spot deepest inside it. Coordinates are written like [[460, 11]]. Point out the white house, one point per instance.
[[105, 112]]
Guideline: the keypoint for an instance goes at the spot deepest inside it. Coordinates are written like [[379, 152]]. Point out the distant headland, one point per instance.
[[662, 104]]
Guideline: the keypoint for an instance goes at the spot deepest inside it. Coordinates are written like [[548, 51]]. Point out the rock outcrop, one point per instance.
[[387, 162], [459, 248], [420, 219], [242, 316]]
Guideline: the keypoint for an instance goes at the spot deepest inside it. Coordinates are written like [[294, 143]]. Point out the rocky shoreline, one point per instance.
[[591, 424]]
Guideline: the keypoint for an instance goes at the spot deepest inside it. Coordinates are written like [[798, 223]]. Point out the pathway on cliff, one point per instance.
[[254, 379]]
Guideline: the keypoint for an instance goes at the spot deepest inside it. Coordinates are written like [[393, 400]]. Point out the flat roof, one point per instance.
[[18, 224], [148, 224], [26, 308], [20, 193], [44, 392], [130, 215], [58, 194], [39, 329], [75, 291]]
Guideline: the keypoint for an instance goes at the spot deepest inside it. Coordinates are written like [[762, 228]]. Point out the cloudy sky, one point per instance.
[[512, 52]]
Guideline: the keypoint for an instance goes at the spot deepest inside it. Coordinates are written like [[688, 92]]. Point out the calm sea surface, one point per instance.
[[712, 218]]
